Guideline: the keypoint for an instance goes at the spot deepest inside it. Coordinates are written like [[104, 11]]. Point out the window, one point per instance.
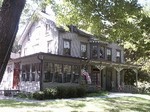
[[25, 72], [102, 52], [67, 73], [49, 46], [35, 48], [58, 72], [25, 51], [75, 74], [94, 52], [109, 54], [47, 29], [67, 47], [28, 72], [118, 56], [35, 72], [83, 50], [48, 72]]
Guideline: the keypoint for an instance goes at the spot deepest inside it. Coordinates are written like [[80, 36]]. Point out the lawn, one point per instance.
[[123, 104]]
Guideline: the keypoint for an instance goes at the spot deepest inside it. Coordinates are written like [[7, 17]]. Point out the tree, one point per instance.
[[9, 20], [121, 21]]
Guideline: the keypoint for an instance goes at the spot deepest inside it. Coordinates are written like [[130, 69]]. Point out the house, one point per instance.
[[51, 56]]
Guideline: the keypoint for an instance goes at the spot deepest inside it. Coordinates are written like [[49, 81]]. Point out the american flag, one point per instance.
[[86, 74]]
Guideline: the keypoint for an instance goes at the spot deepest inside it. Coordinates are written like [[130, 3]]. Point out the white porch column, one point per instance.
[[100, 67], [118, 69], [136, 73]]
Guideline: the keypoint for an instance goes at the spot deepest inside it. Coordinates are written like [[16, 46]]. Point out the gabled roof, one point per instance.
[[72, 28], [31, 22]]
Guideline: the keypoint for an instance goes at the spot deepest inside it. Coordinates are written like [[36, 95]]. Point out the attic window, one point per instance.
[[47, 27], [29, 35]]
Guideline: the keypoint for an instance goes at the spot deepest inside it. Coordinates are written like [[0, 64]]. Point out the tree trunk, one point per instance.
[[9, 20]]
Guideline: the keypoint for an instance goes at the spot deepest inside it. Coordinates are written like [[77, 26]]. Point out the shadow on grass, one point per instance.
[[12, 103], [127, 104]]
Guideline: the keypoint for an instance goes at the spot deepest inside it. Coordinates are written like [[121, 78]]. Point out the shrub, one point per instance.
[[39, 95], [71, 92], [21, 95], [81, 91], [61, 92], [50, 93]]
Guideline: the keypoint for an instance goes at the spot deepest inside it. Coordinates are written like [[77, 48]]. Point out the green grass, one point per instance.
[[122, 104]]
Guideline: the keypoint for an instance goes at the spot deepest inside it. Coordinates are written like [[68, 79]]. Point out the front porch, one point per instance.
[[110, 76]]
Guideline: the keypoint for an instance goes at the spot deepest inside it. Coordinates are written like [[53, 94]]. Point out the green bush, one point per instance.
[[39, 95], [21, 95], [50, 93], [81, 91], [71, 92], [61, 92]]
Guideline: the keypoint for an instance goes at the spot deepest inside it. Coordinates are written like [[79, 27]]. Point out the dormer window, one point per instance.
[[67, 47], [109, 54], [83, 50], [118, 56]]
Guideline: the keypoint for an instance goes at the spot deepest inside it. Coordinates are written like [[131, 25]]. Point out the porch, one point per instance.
[[110, 76]]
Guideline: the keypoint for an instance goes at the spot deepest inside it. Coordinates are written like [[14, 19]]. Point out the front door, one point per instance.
[[108, 79], [94, 78]]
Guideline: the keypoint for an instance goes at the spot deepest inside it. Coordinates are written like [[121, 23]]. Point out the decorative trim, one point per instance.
[[100, 67]]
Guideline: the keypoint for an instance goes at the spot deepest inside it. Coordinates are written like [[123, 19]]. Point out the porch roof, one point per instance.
[[114, 64]]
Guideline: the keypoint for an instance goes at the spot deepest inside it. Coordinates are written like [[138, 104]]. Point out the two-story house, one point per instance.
[[52, 56]]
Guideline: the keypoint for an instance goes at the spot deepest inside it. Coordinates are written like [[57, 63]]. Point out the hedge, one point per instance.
[[60, 92]]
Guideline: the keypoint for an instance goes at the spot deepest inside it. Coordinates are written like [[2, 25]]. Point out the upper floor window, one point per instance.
[[109, 54], [83, 50], [67, 47], [94, 52], [118, 56], [35, 48], [49, 46], [25, 51], [102, 52]]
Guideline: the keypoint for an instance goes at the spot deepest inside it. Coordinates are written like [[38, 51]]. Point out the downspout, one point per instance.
[[40, 57]]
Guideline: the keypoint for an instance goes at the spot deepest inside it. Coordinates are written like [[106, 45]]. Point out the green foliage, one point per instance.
[[81, 91], [39, 95], [60, 92], [50, 93], [71, 92], [98, 93], [24, 95]]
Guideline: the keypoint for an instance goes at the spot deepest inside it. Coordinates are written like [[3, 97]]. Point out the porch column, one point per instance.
[[100, 67], [136, 77], [118, 69]]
